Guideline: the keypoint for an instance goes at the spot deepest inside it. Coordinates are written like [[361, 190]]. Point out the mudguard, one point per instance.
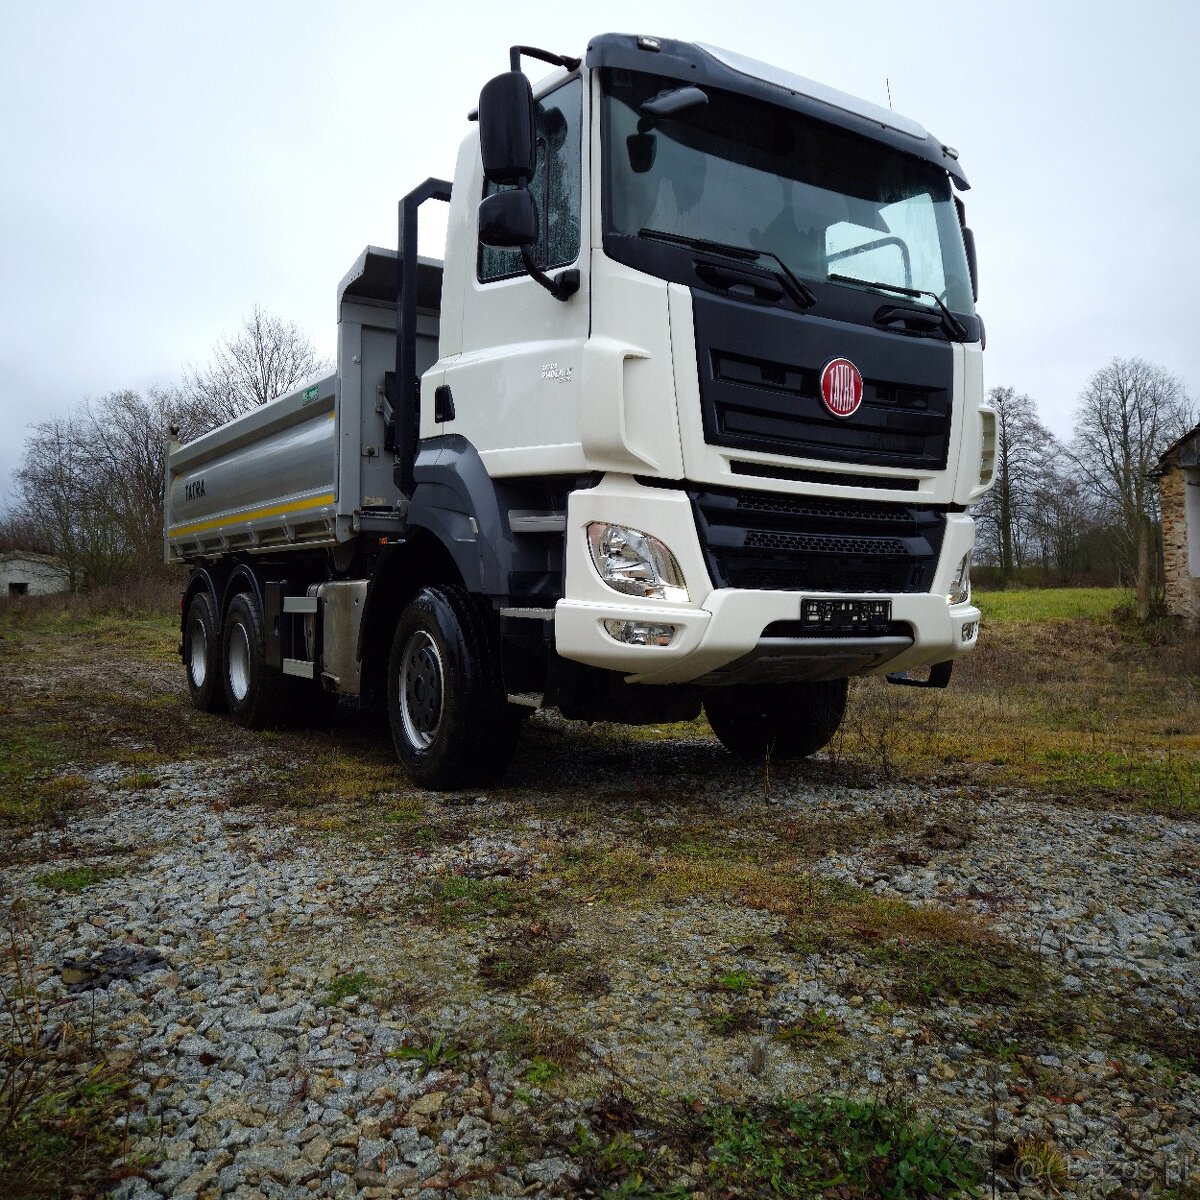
[[452, 487]]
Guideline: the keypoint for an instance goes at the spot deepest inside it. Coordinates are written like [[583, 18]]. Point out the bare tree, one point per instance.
[[57, 486], [1025, 456], [126, 435], [267, 358], [19, 531], [1127, 414], [91, 484]]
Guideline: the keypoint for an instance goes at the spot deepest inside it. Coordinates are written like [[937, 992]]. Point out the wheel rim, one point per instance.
[[239, 662], [420, 690], [198, 652]]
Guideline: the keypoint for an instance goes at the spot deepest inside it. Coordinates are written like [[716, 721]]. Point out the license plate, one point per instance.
[[866, 617]]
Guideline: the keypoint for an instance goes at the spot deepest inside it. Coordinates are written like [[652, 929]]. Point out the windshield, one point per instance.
[[824, 201]]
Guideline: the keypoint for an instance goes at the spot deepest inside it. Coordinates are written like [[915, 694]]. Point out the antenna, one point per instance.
[[888, 84]]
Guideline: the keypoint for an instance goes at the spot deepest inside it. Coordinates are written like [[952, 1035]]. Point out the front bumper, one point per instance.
[[720, 637], [723, 641]]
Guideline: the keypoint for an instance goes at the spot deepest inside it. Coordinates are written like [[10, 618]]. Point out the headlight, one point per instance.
[[635, 563], [960, 585]]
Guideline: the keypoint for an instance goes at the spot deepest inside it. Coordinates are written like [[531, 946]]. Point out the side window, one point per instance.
[[557, 187]]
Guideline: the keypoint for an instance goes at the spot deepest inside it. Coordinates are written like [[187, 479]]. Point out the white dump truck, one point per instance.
[[691, 416]]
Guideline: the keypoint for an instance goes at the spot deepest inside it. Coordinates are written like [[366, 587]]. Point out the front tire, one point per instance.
[[451, 724], [202, 655], [782, 721], [254, 692]]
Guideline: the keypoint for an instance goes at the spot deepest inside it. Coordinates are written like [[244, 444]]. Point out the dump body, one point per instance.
[[266, 479], [308, 469]]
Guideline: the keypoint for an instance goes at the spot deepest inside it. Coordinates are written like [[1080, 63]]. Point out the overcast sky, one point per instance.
[[166, 165]]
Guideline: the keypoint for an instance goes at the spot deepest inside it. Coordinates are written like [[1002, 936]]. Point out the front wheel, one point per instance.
[[451, 724], [783, 720]]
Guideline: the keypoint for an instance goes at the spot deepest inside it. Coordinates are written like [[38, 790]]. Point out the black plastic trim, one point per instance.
[[775, 541], [443, 403], [759, 374], [404, 428], [452, 487], [890, 483], [690, 64]]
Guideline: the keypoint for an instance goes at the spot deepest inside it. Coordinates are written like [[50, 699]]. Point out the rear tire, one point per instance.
[[451, 723], [202, 655], [782, 721], [256, 694]]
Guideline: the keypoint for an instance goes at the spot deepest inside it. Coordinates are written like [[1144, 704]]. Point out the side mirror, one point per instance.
[[506, 130], [641, 147], [508, 219], [969, 245]]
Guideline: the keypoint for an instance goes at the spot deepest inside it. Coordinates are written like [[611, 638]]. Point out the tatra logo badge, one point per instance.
[[841, 387]]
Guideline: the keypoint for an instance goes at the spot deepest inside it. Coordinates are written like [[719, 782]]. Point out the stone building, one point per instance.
[[1179, 489], [23, 573]]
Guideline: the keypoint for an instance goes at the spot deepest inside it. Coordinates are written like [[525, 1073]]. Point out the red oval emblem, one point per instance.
[[841, 387]]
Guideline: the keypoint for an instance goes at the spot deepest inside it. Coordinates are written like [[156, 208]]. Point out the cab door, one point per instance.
[[515, 383]]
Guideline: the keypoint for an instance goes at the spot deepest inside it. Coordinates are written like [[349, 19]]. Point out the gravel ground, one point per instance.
[[263, 1078]]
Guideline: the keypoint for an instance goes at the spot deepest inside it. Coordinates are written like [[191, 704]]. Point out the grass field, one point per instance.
[[1063, 696], [1045, 605]]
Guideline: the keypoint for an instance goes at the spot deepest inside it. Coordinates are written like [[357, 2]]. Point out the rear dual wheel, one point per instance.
[[256, 694], [202, 654], [782, 721], [451, 723]]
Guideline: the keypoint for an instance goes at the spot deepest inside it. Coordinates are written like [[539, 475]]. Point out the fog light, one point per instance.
[[640, 633], [635, 563], [969, 630], [960, 585]]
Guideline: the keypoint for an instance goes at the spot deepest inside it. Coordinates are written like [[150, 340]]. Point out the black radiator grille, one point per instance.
[[764, 405], [802, 543], [759, 371], [823, 543]]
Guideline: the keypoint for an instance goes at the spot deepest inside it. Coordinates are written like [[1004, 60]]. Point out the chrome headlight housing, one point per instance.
[[960, 585], [635, 563]]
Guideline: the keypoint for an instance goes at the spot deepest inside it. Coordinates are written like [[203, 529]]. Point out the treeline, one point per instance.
[[1085, 511], [90, 485]]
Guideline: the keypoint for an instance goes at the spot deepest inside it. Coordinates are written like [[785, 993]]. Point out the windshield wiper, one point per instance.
[[954, 328], [803, 294]]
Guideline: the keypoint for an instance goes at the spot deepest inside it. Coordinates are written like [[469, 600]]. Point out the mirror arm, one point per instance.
[[546, 56], [561, 286]]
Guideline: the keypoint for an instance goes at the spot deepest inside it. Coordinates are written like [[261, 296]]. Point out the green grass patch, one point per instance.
[[64, 1140], [931, 973], [439, 1054], [459, 899], [1040, 605], [737, 982], [836, 1146], [75, 879], [353, 983], [824, 1147], [816, 1027], [542, 1071], [541, 1040], [31, 790], [626, 874]]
